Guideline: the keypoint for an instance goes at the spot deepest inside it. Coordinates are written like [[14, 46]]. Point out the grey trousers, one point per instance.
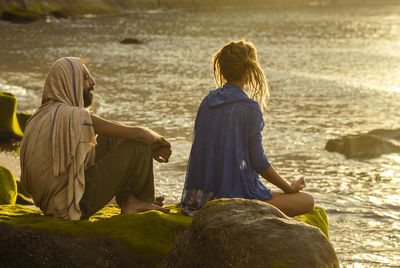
[[119, 165]]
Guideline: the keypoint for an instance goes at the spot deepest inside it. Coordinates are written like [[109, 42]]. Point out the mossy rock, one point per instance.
[[21, 16], [9, 125], [22, 119], [318, 218], [23, 197], [149, 235], [8, 187]]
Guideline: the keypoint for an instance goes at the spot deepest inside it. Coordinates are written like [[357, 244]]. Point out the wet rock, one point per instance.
[[9, 125], [127, 41], [58, 14], [8, 187], [368, 145], [21, 16], [249, 233]]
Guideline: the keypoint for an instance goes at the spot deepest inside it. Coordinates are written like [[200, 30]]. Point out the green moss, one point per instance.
[[21, 190], [8, 187], [317, 218], [9, 126], [22, 119], [149, 235]]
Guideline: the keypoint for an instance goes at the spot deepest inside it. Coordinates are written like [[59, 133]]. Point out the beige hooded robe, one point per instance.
[[58, 143]]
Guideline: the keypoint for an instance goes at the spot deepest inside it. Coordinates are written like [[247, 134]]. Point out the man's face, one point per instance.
[[88, 86]]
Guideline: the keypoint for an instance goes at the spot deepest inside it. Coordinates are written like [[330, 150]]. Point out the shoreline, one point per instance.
[[32, 10]]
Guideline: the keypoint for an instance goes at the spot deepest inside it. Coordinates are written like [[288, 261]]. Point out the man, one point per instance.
[[59, 166]]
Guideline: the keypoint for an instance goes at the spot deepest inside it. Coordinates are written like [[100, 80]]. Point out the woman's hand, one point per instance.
[[296, 186]]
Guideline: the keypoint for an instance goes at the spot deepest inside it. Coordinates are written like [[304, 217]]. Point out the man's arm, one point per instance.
[[160, 146]]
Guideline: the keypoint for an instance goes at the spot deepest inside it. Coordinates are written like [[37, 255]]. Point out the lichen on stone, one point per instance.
[[8, 187], [149, 234]]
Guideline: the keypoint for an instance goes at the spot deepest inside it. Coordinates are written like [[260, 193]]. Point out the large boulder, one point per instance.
[[107, 239], [146, 237], [366, 145], [9, 125], [22, 246], [8, 187], [249, 233]]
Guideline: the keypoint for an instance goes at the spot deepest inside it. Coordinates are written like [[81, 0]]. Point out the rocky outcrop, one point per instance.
[[144, 239], [248, 233], [226, 226], [30, 10], [8, 187], [22, 246], [12, 124], [36, 239], [9, 125], [367, 145], [11, 190]]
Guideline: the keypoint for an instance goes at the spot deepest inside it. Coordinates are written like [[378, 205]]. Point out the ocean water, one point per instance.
[[332, 71]]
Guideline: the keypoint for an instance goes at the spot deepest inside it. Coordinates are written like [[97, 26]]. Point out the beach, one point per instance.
[[332, 71]]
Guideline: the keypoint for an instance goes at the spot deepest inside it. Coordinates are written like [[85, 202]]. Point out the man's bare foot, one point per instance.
[[129, 204], [159, 201]]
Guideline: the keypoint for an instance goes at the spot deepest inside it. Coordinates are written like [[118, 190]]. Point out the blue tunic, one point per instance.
[[227, 153]]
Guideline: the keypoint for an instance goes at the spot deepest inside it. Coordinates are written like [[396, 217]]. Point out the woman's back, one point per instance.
[[221, 157]]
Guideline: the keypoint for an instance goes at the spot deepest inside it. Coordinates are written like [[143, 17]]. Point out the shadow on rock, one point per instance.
[[21, 246]]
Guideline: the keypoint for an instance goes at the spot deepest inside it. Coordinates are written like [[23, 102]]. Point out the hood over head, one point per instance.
[[227, 94], [64, 82]]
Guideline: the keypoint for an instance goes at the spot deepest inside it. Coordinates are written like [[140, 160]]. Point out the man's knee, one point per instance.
[[136, 147]]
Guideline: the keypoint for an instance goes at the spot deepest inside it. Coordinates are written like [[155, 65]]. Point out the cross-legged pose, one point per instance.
[[71, 174], [227, 155]]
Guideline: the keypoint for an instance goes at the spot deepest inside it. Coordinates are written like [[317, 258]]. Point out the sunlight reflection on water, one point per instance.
[[330, 75]]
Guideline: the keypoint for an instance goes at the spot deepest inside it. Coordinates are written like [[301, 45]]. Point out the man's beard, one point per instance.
[[87, 97]]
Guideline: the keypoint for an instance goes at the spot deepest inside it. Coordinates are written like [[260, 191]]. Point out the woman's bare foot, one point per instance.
[[129, 204]]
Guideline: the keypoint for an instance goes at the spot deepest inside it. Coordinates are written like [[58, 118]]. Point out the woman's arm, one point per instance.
[[273, 177]]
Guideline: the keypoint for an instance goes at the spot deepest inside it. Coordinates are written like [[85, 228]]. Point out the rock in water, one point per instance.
[[9, 125], [249, 233], [20, 16], [368, 145], [131, 41], [8, 187]]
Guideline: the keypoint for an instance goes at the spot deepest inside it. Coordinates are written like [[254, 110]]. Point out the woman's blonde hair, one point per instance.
[[237, 61]]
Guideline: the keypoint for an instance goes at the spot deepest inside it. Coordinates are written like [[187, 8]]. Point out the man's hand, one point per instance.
[[159, 141], [161, 149], [162, 154]]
